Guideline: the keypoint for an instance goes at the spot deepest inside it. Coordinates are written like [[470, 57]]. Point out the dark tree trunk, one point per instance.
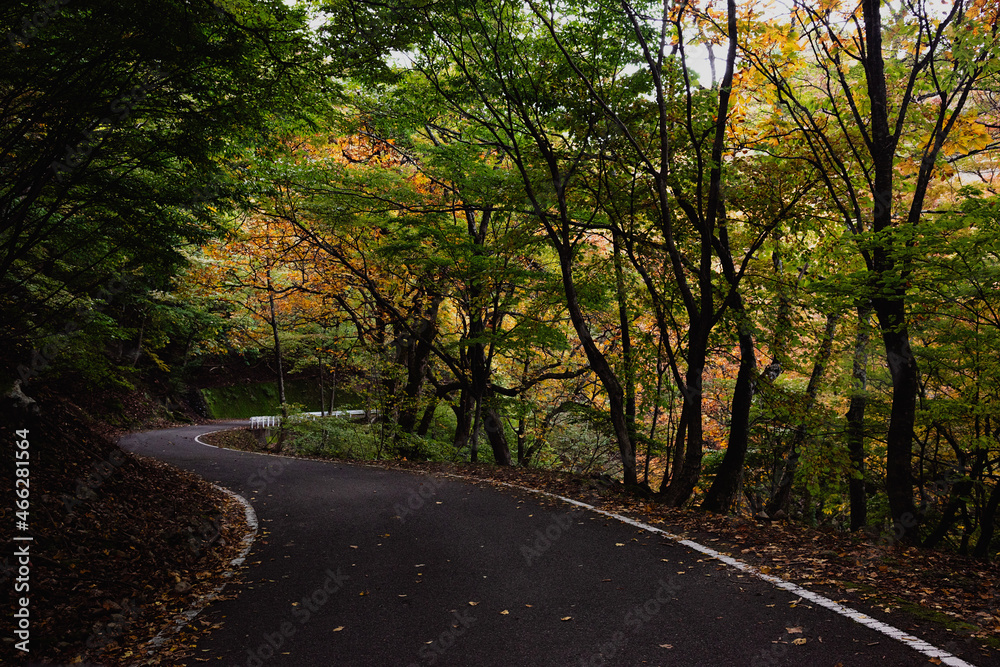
[[680, 438], [899, 439], [333, 391], [701, 318], [988, 521], [890, 304], [322, 388], [685, 478], [417, 357], [601, 367], [463, 416], [726, 486], [428, 416], [497, 436], [277, 348], [628, 354]]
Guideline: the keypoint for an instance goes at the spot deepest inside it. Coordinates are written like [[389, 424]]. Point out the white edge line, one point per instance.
[[915, 643], [197, 439], [189, 615]]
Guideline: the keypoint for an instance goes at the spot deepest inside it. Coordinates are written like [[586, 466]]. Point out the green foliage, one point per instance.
[[124, 131], [332, 437], [261, 398], [335, 437]]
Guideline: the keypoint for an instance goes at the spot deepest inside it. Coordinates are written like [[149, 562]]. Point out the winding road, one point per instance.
[[356, 565]]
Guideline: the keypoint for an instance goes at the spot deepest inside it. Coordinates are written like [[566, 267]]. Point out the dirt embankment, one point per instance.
[[118, 543]]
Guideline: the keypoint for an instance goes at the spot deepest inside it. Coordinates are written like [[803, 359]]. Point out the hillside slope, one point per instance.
[[119, 543]]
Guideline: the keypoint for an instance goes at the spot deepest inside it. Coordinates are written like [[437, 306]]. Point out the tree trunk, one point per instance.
[[477, 421], [603, 370], [417, 357], [322, 387], [522, 437], [890, 302], [333, 391], [428, 417], [726, 485], [684, 479], [628, 354], [680, 438], [701, 320], [899, 439], [463, 418], [988, 522], [497, 436]]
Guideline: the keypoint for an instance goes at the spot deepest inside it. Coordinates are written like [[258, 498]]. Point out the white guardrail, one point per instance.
[[270, 421]]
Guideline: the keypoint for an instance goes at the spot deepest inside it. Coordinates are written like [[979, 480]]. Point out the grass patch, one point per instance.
[[261, 398]]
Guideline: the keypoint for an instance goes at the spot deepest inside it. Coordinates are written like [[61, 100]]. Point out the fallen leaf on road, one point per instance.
[[338, 628], [473, 603], [565, 618], [666, 645], [800, 641], [793, 631], [505, 612]]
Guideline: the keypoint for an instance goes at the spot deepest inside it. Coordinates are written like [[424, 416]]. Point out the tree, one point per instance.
[[954, 319], [120, 134], [886, 104]]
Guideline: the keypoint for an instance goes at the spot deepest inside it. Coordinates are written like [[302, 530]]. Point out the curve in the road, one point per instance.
[[329, 517]]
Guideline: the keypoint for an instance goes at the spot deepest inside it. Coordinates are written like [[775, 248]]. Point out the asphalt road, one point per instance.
[[364, 566]]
